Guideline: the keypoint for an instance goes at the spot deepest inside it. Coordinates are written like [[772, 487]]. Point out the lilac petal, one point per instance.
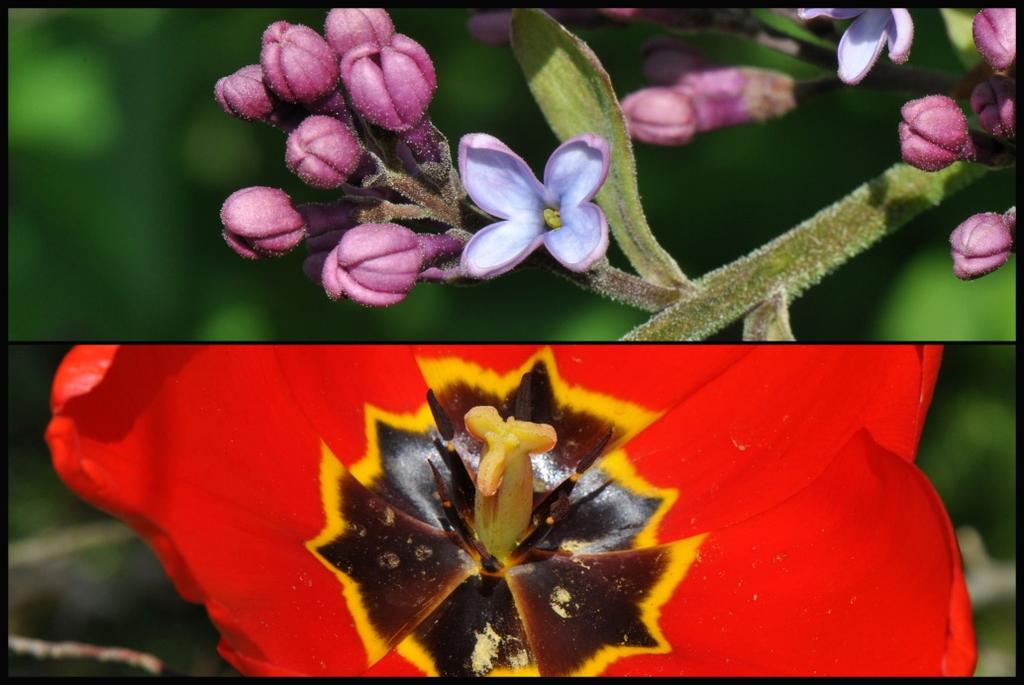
[[497, 179], [576, 170], [861, 44], [900, 33], [830, 12], [498, 248], [582, 239]]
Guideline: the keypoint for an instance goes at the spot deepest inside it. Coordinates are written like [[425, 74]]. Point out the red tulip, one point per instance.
[[756, 510]]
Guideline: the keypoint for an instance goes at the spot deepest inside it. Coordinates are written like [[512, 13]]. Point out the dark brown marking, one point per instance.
[[403, 567], [460, 634], [572, 606]]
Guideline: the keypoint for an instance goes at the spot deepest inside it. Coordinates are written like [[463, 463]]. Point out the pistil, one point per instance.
[[504, 482]]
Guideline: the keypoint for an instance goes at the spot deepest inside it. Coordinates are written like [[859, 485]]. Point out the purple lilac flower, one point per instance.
[[863, 41], [557, 214]]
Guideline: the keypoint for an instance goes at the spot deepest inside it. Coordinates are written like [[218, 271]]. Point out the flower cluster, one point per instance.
[[935, 133], [335, 95], [689, 95], [353, 103]]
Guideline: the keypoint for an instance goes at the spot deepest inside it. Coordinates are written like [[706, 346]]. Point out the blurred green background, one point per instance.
[[118, 594], [119, 160]]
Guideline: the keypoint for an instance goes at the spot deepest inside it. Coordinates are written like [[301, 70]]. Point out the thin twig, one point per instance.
[[64, 542], [41, 649]]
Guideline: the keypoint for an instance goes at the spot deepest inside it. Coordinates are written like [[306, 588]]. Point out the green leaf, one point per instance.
[[575, 94], [960, 29]]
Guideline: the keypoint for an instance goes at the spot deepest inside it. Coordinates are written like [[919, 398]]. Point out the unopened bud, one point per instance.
[[244, 95], [660, 116], [667, 61], [261, 222], [995, 36], [323, 152], [298, 64], [980, 245], [995, 103], [390, 86], [373, 264], [934, 133], [490, 26], [727, 96], [349, 27]]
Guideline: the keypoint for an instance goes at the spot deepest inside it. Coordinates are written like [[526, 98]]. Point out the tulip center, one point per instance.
[[504, 480], [552, 218]]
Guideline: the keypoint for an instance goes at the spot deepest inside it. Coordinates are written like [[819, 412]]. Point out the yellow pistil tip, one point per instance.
[[504, 440], [552, 218]]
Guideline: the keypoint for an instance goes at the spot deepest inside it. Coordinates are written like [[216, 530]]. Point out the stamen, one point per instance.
[[552, 218], [441, 420]]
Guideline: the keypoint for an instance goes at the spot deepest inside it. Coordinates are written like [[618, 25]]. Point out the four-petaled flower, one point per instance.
[[862, 43], [757, 507], [557, 214]]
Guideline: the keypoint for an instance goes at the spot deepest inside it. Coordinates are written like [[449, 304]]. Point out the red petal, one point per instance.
[[857, 574], [79, 372], [653, 376], [896, 419], [332, 385], [204, 452], [763, 430]]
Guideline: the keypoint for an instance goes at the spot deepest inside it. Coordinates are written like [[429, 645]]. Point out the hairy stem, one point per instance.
[[802, 256], [617, 285]]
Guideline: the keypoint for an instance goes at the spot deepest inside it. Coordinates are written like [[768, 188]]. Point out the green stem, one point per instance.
[[801, 257], [617, 285]]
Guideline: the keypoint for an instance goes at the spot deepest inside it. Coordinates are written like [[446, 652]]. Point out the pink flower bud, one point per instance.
[[995, 35], [667, 61], [490, 26], [995, 103], [980, 245], [727, 96], [243, 94], [390, 86], [374, 264], [323, 152], [660, 116], [349, 27], [298, 65], [261, 222], [934, 133]]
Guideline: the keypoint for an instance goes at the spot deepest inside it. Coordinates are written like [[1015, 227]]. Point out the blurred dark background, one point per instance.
[[117, 594], [119, 160]]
